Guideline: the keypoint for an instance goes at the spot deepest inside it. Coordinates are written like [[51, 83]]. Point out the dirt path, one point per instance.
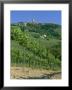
[[29, 73]]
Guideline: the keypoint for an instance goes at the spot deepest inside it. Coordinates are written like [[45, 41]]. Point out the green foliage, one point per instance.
[[30, 48]]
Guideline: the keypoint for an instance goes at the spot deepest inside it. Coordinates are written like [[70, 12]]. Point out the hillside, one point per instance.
[[36, 45]]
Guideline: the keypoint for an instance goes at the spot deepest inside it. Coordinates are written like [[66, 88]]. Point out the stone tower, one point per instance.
[[33, 20]]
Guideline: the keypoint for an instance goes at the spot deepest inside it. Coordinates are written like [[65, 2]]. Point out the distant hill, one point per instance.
[[51, 30]]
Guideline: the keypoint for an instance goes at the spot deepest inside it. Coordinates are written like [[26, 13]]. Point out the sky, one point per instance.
[[39, 16]]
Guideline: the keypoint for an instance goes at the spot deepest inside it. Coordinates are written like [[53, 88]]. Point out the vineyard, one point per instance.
[[36, 46]]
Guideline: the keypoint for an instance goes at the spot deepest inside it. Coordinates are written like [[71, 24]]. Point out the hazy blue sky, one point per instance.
[[39, 16]]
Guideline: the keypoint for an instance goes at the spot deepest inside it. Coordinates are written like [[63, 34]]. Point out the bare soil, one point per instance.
[[29, 73]]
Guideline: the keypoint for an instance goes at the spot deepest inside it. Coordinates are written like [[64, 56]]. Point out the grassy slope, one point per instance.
[[25, 56]]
